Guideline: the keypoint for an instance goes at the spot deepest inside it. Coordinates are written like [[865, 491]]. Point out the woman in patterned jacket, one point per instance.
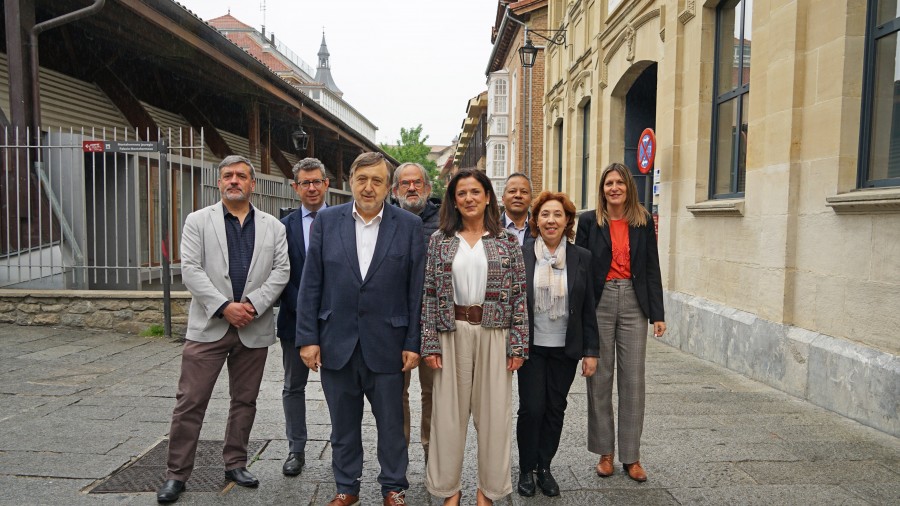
[[474, 335]]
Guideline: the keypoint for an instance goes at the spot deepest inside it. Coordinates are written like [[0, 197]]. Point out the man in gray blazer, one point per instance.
[[361, 299], [234, 261]]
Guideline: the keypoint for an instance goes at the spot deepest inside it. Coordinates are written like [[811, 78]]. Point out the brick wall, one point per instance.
[[538, 21]]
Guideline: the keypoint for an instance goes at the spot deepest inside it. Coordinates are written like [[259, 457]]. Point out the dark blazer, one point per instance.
[[287, 313], [582, 337], [505, 223], [645, 274], [339, 309]]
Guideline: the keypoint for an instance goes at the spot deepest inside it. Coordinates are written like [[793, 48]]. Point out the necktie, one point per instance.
[[312, 214]]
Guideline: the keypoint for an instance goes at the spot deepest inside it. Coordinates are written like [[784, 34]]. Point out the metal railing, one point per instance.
[[76, 216]]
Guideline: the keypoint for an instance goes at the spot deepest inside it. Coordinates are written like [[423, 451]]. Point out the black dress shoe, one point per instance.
[[242, 477], [293, 465], [170, 491], [526, 484], [547, 483]]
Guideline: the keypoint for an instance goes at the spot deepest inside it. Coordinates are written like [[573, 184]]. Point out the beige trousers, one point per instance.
[[473, 380]]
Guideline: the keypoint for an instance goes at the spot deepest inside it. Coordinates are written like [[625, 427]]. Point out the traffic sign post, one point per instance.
[[646, 152], [98, 146]]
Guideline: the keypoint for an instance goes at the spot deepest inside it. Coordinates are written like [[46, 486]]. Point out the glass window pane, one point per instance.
[[728, 47], [886, 11], [884, 151], [745, 43], [725, 148]]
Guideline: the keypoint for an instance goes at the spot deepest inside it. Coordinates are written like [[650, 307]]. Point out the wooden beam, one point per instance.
[[165, 23], [211, 136], [127, 103], [253, 128], [19, 17], [280, 160]]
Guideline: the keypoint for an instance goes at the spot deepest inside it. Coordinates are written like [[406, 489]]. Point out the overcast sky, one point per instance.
[[398, 62]]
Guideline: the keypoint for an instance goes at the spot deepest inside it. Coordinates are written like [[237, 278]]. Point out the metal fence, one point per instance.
[[75, 218]]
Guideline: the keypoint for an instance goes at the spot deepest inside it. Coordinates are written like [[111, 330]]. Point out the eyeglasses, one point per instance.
[[417, 183], [316, 183]]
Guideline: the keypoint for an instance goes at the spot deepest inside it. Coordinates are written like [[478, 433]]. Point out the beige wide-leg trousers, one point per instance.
[[473, 380]]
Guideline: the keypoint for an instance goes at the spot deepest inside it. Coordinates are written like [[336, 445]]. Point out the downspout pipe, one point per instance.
[[528, 126], [35, 60]]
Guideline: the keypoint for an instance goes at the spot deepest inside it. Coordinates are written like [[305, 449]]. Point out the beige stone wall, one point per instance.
[[784, 252], [129, 312]]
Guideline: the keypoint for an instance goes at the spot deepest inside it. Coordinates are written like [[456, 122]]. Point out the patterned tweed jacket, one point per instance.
[[504, 298]]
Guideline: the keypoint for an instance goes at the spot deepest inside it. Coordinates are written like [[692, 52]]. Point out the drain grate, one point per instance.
[[148, 473]]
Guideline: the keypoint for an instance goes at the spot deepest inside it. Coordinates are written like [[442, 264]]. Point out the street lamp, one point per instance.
[[299, 138], [528, 53]]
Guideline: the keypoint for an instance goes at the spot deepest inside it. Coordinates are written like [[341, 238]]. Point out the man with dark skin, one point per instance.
[[516, 202]]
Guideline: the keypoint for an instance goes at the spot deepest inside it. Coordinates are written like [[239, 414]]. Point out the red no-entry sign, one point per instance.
[[646, 152]]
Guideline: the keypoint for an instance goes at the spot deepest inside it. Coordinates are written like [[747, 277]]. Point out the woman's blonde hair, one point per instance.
[[634, 212]]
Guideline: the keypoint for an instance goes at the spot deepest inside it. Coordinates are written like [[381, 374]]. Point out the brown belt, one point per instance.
[[469, 314]]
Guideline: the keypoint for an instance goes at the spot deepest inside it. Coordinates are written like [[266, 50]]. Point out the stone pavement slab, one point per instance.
[[75, 406]]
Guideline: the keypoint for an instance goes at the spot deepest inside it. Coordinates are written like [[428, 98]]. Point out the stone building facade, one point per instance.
[[777, 196]]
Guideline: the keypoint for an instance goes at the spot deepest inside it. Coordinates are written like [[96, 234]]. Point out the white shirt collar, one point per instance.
[[358, 217]]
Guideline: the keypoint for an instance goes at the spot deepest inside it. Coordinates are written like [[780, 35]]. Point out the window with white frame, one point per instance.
[[498, 168], [500, 126], [500, 96]]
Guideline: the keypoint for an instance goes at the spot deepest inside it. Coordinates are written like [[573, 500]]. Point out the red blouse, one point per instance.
[[620, 268]]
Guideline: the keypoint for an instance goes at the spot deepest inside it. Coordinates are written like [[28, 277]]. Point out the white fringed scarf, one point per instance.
[[550, 290]]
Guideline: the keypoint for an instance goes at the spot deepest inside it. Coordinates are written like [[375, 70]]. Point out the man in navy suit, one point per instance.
[[359, 305], [311, 184]]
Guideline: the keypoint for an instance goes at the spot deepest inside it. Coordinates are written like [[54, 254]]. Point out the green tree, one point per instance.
[[412, 148]]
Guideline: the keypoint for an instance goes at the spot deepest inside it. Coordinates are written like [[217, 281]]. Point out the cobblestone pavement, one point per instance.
[[76, 405]]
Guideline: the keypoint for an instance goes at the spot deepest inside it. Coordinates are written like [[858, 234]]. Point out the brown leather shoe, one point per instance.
[[635, 471], [345, 500], [605, 467], [395, 498]]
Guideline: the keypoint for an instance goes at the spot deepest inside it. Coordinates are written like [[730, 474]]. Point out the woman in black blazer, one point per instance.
[[562, 331], [628, 290]]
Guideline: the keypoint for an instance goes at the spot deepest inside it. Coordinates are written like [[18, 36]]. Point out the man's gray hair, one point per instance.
[[308, 164], [518, 174], [235, 159], [402, 166]]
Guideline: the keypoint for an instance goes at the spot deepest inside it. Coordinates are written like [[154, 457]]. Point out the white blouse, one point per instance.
[[470, 269]]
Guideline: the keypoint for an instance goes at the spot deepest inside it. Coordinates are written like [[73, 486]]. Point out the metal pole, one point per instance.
[[530, 102], [164, 230], [35, 60]]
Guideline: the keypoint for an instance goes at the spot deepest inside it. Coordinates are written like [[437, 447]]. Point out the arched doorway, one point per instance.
[[640, 113]]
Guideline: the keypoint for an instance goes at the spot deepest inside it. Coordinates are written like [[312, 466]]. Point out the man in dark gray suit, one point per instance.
[[361, 297], [311, 184]]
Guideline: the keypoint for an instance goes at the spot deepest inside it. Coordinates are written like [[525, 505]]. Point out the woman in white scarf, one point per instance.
[[563, 330]]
